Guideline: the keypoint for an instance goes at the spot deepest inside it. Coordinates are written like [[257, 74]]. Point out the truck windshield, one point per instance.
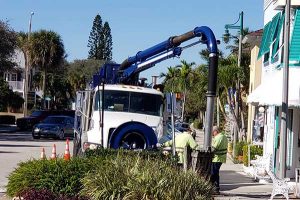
[[134, 102]]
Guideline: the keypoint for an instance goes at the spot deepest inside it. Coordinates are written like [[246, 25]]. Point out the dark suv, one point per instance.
[[25, 123]]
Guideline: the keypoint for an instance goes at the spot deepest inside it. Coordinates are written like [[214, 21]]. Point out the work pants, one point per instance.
[[215, 175]]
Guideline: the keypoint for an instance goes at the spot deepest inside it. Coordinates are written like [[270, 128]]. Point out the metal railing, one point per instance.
[[16, 85]]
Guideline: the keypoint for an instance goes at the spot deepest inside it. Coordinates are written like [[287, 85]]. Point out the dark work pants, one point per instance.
[[215, 174]]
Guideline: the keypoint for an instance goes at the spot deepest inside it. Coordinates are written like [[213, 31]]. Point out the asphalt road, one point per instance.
[[16, 147]]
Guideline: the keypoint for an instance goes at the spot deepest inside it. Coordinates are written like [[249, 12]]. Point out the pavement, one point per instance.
[[235, 184], [17, 146]]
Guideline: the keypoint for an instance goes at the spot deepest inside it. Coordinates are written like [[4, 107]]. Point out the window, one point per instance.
[[13, 77], [134, 102], [148, 104], [113, 100], [6, 76]]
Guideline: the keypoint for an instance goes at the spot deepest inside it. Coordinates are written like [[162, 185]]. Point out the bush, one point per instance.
[[126, 177], [44, 194], [59, 176], [239, 148], [197, 124], [148, 155], [108, 174], [254, 150], [38, 194]]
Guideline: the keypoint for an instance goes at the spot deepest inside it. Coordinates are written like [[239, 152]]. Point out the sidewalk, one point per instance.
[[235, 184]]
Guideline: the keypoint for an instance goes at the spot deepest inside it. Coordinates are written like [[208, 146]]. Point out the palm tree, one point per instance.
[[185, 72], [171, 79], [46, 51]]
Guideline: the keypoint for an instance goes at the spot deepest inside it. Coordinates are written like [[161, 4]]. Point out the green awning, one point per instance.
[[264, 39], [295, 40], [276, 43], [268, 35]]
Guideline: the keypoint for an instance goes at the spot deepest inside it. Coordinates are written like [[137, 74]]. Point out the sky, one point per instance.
[[135, 24]]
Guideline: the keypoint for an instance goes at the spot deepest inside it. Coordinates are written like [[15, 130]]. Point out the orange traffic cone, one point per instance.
[[53, 156], [67, 155], [43, 155]]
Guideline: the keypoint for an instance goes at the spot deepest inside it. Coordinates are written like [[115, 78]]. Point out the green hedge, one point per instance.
[[59, 176], [126, 177], [109, 174]]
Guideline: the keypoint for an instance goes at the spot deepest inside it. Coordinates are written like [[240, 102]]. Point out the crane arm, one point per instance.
[[128, 70]]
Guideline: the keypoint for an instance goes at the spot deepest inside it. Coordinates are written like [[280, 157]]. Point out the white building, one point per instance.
[[15, 77], [269, 93]]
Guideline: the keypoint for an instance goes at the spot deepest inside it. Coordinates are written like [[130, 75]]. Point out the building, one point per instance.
[[254, 39], [268, 95], [15, 77]]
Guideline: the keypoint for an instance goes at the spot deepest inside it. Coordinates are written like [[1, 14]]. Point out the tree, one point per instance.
[[80, 73], [46, 51], [171, 79], [8, 98], [100, 40], [95, 42], [8, 44], [59, 88], [107, 41], [185, 72], [196, 102]]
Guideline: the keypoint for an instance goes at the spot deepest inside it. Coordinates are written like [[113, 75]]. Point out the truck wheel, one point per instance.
[[133, 135], [133, 140]]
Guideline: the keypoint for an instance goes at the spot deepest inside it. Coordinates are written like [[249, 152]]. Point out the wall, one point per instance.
[[255, 79]]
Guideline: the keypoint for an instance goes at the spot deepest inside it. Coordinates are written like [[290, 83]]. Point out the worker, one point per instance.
[[182, 140], [219, 148]]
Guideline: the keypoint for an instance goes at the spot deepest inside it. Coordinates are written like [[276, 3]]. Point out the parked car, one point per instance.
[[183, 126], [25, 123], [57, 126], [37, 116]]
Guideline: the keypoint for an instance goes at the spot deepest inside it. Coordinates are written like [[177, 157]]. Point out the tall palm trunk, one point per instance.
[[183, 104], [44, 83]]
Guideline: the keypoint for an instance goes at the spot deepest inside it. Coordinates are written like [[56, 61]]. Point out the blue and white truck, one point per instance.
[[116, 111]]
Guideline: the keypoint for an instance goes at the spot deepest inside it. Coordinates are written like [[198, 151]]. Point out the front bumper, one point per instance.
[[44, 133]]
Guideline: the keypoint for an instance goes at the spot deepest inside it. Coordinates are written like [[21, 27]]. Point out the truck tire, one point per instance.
[[133, 135]]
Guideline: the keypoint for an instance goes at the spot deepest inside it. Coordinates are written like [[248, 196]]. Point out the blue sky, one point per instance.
[[136, 24]]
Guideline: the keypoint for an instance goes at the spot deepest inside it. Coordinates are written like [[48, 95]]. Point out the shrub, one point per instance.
[[239, 148], [107, 174], [44, 194], [147, 154], [38, 194], [197, 124], [60, 177], [254, 150], [128, 177]]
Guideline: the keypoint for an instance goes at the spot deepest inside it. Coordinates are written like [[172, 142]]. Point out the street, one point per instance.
[[19, 146]]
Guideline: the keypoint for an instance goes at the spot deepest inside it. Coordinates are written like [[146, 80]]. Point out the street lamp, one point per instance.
[[27, 70], [226, 38]]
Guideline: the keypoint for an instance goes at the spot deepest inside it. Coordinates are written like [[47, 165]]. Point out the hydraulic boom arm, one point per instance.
[[128, 71]]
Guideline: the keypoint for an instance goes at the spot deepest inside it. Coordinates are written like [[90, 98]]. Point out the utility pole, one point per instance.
[[26, 81], [237, 101], [285, 92]]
